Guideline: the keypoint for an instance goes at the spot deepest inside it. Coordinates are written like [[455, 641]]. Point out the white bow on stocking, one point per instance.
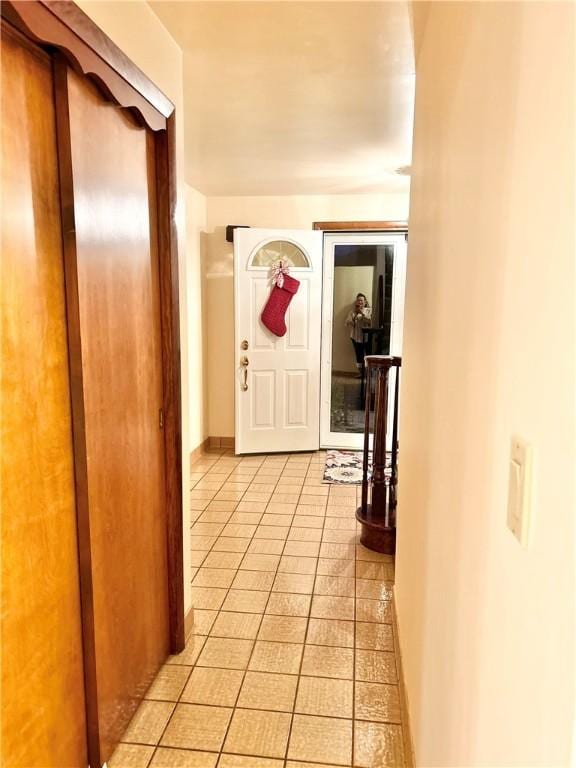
[[277, 272]]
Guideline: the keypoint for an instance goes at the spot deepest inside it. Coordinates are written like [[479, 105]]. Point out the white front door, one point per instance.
[[277, 378]]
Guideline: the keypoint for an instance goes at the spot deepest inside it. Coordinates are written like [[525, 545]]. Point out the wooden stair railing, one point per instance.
[[377, 513]]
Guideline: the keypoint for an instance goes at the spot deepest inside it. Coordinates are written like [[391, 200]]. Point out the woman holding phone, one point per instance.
[[359, 317]]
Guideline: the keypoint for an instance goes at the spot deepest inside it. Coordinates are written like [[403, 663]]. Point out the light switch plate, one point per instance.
[[520, 489]]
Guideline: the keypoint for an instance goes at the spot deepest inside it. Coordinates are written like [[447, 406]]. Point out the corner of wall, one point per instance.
[[196, 297]]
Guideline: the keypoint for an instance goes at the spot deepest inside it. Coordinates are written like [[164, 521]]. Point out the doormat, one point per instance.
[[345, 467]]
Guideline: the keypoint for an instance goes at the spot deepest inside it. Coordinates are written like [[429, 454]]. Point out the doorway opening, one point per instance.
[[364, 275], [301, 386]]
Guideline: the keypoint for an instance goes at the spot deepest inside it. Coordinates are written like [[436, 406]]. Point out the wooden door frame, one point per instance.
[[361, 226], [72, 38]]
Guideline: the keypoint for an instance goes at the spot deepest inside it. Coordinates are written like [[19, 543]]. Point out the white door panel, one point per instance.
[[280, 409]]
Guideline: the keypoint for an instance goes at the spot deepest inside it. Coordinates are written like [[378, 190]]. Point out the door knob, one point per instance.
[[244, 344]]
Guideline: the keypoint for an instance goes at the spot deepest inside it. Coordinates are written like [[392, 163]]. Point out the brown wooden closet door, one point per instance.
[[113, 169], [43, 722]]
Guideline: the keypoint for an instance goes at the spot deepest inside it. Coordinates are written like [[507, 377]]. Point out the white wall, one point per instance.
[[288, 212], [486, 627], [195, 228], [138, 32]]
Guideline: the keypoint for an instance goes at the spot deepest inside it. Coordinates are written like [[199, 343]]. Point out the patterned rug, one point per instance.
[[345, 467]]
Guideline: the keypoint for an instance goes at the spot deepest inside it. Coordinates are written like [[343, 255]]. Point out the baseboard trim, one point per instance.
[[188, 623], [221, 442], [212, 444], [199, 450], [404, 708]]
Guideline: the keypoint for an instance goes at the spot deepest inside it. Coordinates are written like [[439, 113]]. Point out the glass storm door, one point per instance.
[[372, 267]]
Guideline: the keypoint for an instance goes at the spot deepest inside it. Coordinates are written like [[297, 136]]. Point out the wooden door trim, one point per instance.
[[83, 26], [60, 68], [361, 226], [166, 196], [64, 27]]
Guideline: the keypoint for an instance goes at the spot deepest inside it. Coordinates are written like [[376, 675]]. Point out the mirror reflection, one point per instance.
[[362, 322]]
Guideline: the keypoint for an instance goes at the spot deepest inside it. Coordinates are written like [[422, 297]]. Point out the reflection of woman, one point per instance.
[[358, 318]]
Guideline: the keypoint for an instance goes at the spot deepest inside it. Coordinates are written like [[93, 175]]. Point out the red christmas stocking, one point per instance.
[[274, 312]]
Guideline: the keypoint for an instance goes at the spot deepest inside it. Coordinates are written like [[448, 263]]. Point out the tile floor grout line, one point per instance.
[[306, 633], [232, 512], [219, 610], [293, 713], [194, 523], [246, 669], [308, 477], [186, 750], [354, 641], [157, 745], [179, 700], [264, 709]]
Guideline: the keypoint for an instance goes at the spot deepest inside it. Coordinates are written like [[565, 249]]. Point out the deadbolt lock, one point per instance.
[[244, 345]]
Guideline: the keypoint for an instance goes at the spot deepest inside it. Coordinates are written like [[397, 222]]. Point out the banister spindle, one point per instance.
[[378, 517]]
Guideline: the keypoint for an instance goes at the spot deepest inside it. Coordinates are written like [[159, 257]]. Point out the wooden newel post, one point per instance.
[[377, 513]]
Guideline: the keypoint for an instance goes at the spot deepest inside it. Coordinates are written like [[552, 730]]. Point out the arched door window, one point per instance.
[[276, 250]]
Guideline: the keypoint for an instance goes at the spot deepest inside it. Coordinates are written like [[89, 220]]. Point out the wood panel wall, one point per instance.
[[115, 255], [92, 509], [42, 668]]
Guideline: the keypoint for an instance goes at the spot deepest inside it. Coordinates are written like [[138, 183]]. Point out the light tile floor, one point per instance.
[[291, 663]]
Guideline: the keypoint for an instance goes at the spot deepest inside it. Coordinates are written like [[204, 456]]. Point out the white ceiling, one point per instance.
[[295, 97]]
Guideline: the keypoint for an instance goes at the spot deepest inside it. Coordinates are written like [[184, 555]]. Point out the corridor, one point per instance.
[[292, 659]]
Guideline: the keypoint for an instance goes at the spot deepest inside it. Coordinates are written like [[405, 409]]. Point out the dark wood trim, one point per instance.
[[361, 226], [25, 42], [377, 519], [83, 26], [170, 318], [64, 148], [35, 20]]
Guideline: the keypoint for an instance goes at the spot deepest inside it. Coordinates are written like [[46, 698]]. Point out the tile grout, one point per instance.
[[245, 671], [307, 480], [193, 666], [293, 714], [263, 709]]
